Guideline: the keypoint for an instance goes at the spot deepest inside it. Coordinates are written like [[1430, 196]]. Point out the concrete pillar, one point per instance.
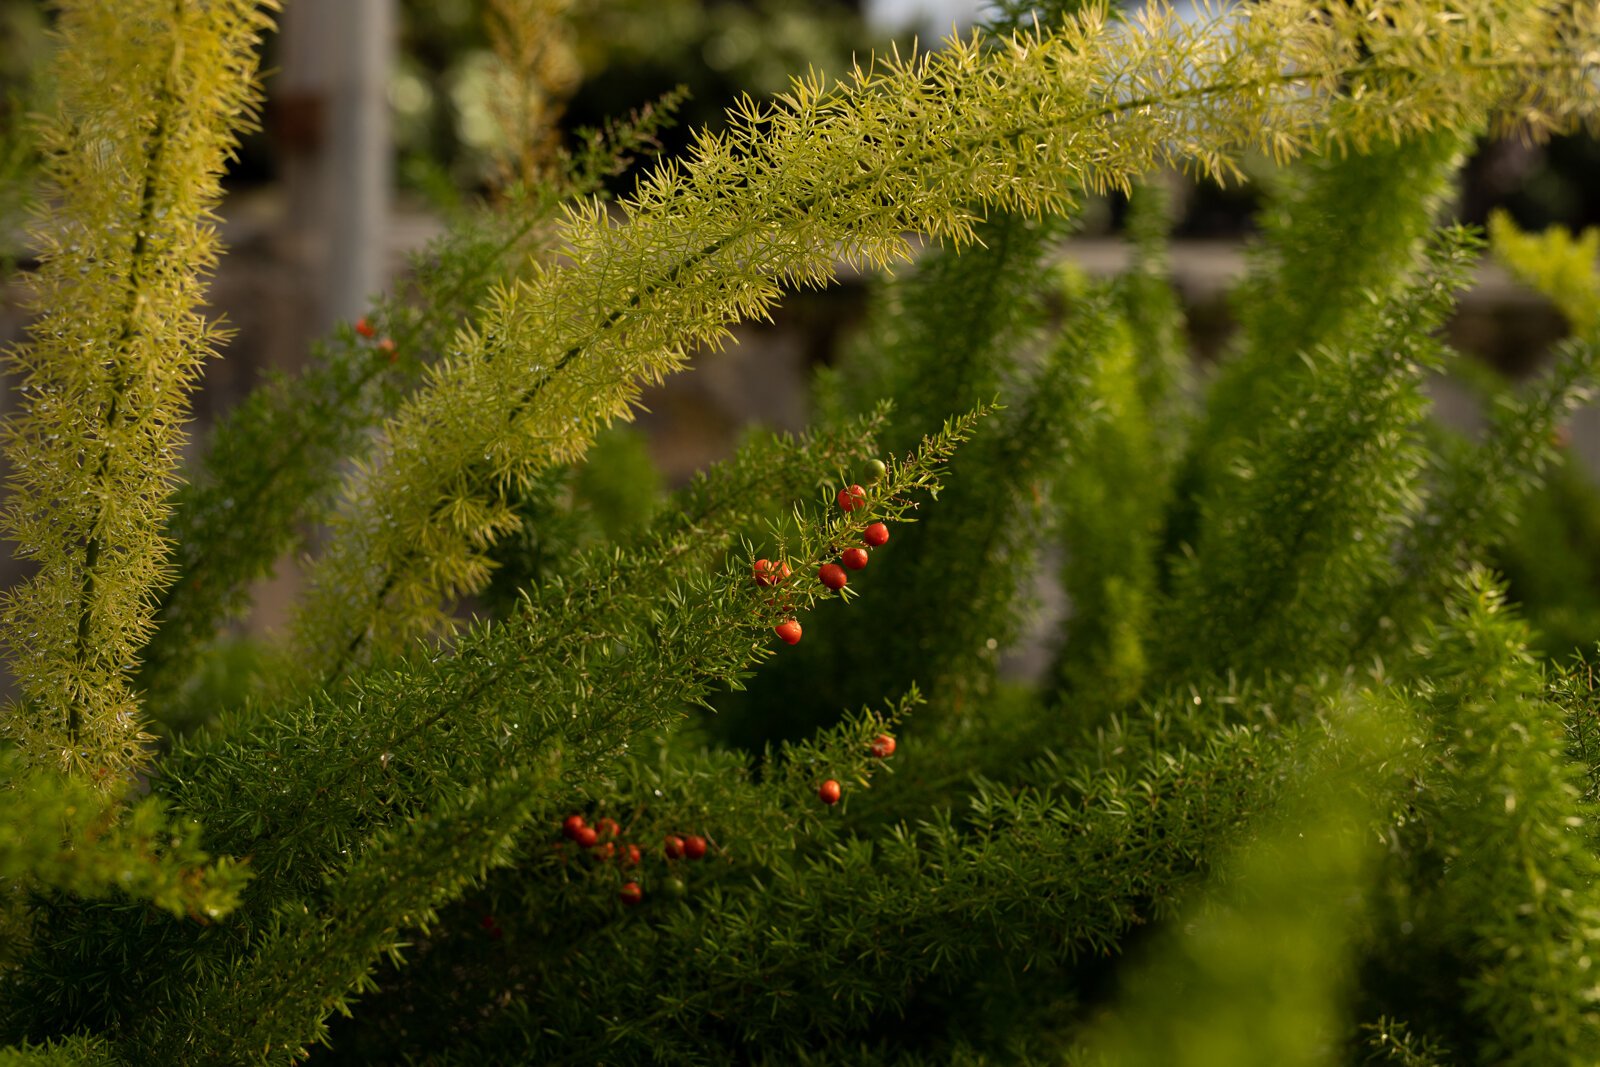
[[338, 157]]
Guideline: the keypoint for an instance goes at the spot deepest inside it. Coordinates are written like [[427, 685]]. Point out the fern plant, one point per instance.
[[554, 766]]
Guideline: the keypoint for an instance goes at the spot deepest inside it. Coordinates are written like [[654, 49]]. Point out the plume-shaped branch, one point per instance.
[[152, 92], [840, 174]]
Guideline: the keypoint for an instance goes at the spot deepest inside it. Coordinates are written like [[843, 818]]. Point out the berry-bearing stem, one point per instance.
[[888, 500], [605, 615], [712, 505]]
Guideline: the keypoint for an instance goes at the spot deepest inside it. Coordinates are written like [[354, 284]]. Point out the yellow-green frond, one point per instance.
[[151, 94]]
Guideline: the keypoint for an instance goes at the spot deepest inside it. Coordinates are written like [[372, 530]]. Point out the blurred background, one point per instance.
[[380, 119]]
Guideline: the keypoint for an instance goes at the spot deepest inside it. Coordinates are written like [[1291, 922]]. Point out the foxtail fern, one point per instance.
[[1477, 486], [152, 94], [831, 173], [1258, 972], [1504, 885], [979, 897], [1300, 538]]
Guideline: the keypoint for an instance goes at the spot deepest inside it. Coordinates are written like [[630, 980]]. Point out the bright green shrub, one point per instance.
[[1293, 789]]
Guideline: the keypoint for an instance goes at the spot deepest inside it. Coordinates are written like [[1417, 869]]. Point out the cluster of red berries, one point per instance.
[[600, 841], [385, 347], [831, 575], [603, 840]]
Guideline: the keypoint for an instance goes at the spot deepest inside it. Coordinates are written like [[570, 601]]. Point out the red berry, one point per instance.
[[607, 827], [570, 827], [694, 846], [829, 792], [832, 576], [854, 558], [875, 535], [387, 347], [769, 573], [364, 328], [630, 893], [883, 746], [674, 847], [851, 497], [607, 850], [789, 630], [586, 837], [630, 855], [488, 922]]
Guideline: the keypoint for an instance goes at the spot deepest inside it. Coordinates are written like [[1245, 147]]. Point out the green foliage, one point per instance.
[[838, 931], [1114, 441], [60, 833], [1293, 790], [932, 345], [67, 1052], [1391, 1041], [150, 98], [1557, 264], [823, 176], [307, 965], [23, 90], [1298, 535], [1258, 972], [273, 464], [1508, 896], [1476, 491], [1549, 562]]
